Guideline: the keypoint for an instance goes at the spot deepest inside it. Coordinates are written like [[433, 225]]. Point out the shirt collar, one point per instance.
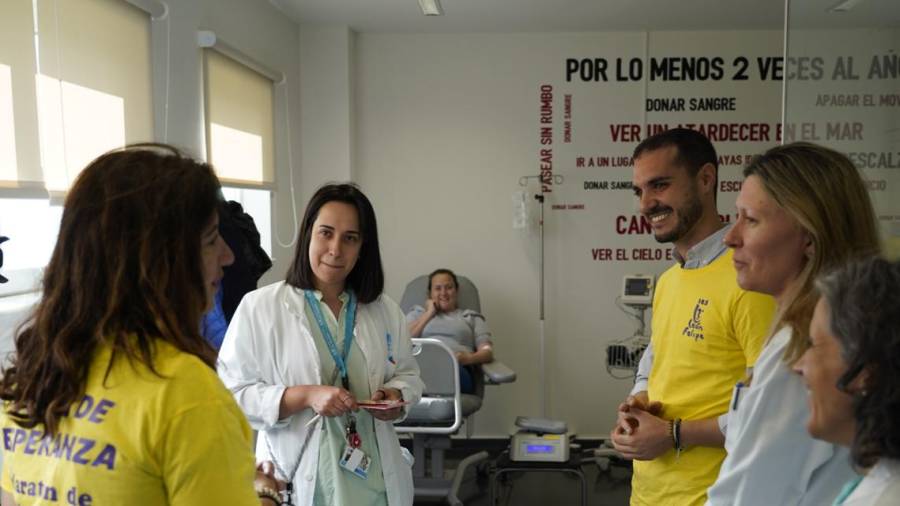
[[706, 251], [343, 297]]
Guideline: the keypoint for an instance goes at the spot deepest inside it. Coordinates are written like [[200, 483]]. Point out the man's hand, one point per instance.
[[625, 420], [647, 439]]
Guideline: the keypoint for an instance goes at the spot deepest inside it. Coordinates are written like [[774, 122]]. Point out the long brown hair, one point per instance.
[[125, 271], [825, 193]]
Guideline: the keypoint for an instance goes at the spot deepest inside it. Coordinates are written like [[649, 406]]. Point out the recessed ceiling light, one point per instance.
[[431, 7], [843, 6]]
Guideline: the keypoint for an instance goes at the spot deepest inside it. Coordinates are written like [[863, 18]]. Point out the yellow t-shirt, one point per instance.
[[137, 438], [706, 332]]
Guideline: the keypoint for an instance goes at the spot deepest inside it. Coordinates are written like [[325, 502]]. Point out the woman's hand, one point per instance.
[[387, 394], [431, 308], [265, 477], [324, 400], [330, 401], [416, 327], [268, 487], [464, 357], [484, 355]]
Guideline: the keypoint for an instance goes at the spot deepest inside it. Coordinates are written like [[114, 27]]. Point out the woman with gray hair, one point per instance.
[[852, 373]]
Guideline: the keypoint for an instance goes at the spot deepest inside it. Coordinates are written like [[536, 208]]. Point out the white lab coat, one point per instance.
[[269, 347], [880, 487], [772, 459]]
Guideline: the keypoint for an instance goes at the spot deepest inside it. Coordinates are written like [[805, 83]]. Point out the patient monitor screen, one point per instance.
[[637, 286], [637, 289]]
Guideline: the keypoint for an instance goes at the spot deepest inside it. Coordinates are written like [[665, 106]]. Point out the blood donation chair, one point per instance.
[[443, 408]]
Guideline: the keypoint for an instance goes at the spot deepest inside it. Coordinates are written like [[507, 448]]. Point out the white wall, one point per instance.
[[326, 98], [445, 127]]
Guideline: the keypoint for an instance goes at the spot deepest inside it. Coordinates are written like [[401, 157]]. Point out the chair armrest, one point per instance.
[[497, 372]]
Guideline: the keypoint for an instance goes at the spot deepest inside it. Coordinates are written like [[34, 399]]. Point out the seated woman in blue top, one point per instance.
[[463, 330], [852, 374]]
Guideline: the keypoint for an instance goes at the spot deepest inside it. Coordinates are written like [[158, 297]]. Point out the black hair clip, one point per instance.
[[2, 240]]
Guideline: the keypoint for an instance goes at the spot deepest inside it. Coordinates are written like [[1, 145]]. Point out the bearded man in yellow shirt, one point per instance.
[[707, 331]]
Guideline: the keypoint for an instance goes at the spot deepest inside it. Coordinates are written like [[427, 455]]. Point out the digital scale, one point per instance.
[[540, 446], [531, 447], [540, 440]]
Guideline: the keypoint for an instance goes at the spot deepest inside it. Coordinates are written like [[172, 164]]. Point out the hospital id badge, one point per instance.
[[355, 461]]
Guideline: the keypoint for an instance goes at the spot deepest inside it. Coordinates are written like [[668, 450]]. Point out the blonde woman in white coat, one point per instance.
[[301, 355]]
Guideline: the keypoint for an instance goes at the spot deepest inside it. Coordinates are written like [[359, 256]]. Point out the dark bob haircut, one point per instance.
[[864, 300], [367, 277]]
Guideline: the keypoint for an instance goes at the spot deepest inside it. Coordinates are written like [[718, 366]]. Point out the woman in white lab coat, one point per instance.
[[301, 355], [802, 211], [852, 371]]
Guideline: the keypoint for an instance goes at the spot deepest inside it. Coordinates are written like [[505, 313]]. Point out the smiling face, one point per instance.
[[215, 255], [830, 410], [334, 246], [443, 292], [668, 195], [770, 246]]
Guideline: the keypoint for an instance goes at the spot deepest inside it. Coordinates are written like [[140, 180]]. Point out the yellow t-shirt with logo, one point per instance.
[[137, 438], [706, 332]]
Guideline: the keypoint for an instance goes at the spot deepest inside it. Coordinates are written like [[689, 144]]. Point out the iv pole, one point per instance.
[[523, 181]]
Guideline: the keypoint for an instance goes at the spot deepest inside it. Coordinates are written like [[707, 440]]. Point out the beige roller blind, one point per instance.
[[93, 82], [239, 122], [19, 156]]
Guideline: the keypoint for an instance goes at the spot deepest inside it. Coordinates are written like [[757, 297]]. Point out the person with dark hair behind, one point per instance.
[[250, 263], [852, 374], [301, 356], [250, 259], [112, 397]]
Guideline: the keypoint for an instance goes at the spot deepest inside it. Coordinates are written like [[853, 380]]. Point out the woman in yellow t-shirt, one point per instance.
[[112, 397]]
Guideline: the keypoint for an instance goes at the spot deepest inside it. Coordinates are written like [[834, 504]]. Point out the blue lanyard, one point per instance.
[[390, 349], [848, 489], [340, 360]]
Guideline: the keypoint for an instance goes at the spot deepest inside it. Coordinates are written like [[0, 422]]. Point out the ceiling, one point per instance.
[[502, 16]]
